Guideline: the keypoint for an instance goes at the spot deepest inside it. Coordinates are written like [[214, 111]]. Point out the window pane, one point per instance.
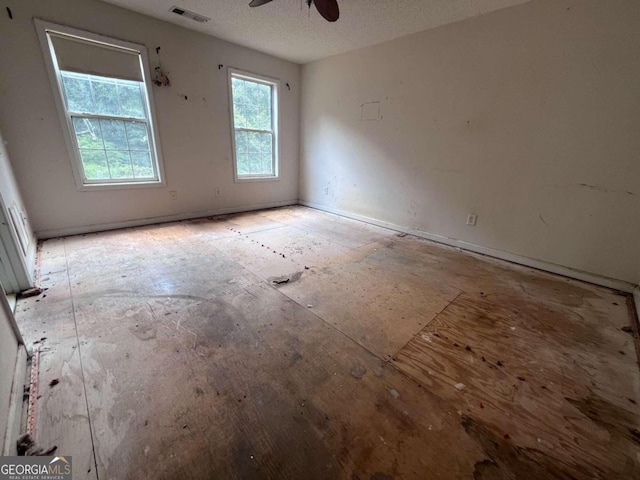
[[137, 135], [238, 90], [95, 164], [251, 114], [239, 119], [243, 163], [264, 96], [250, 92], [251, 104], [242, 143], [114, 149], [130, 96], [77, 90], [119, 164], [88, 133], [264, 119], [114, 134], [105, 96], [142, 167], [257, 159]]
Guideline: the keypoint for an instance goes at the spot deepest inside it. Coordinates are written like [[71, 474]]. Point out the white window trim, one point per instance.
[[42, 27], [275, 119]]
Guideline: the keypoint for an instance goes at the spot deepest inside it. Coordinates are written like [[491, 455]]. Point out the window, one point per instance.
[[254, 118], [105, 105]]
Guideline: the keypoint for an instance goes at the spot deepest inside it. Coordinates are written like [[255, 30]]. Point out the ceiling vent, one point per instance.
[[186, 13]]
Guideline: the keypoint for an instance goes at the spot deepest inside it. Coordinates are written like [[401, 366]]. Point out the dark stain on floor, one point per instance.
[[616, 420], [508, 461]]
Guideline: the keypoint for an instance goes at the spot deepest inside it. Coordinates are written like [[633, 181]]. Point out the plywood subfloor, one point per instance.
[[294, 344]]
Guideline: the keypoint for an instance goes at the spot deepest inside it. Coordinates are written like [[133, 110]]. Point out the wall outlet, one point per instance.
[[325, 190], [173, 194], [217, 192], [471, 219]]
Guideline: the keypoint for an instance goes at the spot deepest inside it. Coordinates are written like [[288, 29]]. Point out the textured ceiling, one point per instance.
[[287, 29]]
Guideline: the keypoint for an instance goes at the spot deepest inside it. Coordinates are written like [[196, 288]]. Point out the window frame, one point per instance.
[[274, 84], [65, 115]]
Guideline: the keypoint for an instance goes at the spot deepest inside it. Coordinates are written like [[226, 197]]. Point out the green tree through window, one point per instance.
[[110, 123]]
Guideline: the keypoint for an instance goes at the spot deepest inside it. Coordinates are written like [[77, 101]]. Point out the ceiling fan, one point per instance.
[[327, 8]]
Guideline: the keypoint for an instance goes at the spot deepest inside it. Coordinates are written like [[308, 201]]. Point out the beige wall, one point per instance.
[[528, 117], [194, 132]]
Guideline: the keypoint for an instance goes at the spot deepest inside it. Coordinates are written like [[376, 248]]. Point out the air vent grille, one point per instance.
[[186, 13]]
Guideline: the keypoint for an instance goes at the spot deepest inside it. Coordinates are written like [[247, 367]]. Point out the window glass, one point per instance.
[[254, 127], [110, 126]]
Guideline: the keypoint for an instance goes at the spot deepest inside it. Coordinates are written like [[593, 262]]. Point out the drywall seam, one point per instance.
[[491, 252], [62, 232]]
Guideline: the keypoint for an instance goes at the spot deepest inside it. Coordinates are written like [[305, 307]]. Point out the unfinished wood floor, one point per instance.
[[294, 344]]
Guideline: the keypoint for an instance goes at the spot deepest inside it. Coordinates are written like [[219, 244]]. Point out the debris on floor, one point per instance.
[[31, 292], [27, 447], [54, 382], [358, 372]]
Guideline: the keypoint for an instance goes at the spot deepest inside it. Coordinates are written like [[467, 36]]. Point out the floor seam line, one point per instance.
[[461, 292], [84, 385], [327, 323], [268, 284]]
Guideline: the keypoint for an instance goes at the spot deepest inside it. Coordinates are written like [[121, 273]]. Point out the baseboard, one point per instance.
[[491, 252], [14, 424], [63, 232]]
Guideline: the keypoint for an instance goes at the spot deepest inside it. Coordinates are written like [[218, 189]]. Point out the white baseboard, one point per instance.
[[491, 252], [63, 232]]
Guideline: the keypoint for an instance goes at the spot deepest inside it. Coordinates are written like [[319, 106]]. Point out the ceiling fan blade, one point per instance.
[[257, 3], [328, 9]]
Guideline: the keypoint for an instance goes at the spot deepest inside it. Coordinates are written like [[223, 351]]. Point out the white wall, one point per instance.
[[195, 134], [528, 117]]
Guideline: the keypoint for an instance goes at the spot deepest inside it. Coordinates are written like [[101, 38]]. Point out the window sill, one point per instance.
[[256, 179], [88, 187]]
